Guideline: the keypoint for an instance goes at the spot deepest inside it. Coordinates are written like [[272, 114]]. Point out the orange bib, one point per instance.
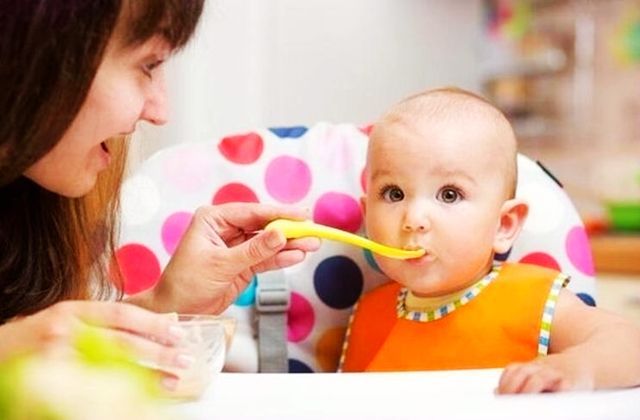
[[499, 326]]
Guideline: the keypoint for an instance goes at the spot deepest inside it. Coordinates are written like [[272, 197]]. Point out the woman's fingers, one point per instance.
[[258, 249], [153, 338], [306, 244], [126, 317], [222, 249], [151, 353], [228, 218]]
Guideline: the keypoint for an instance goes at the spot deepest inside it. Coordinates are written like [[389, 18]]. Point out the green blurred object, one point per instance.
[[100, 380], [626, 37], [519, 22], [624, 215]]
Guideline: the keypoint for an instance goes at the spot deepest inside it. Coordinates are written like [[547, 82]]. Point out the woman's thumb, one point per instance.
[[262, 246]]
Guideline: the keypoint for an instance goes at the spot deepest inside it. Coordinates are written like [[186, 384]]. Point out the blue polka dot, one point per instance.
[[587, 299], [338, 282], [248, 296], [368, 256], [288, 132], [502, 257], [296, 366]]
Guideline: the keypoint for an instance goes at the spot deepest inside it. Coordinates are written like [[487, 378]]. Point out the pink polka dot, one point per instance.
[[339, 211], [234, 192], [187, 169], [288, 179], [300, 318], [336, 150], [542, 259], [173, 228], [139, 267], [242, 149], [579, 250], [366, 129]]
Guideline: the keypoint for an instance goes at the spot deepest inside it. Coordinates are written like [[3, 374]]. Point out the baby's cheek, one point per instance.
[[388, 266]]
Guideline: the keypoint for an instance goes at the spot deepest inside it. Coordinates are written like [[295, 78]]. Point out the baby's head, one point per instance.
[[442, 176]]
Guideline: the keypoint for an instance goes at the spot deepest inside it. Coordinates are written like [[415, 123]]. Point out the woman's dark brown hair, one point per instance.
[[50, 51]]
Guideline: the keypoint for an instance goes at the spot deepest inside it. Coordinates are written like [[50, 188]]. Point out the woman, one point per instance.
[[76, 76]]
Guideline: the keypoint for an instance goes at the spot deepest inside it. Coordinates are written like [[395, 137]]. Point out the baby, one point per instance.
[[442, 176]]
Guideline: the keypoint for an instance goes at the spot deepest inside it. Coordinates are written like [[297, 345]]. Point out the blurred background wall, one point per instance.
[[259, 63], [565, 71]]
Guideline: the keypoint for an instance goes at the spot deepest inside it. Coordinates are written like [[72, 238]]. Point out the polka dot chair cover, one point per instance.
[[320, 167]]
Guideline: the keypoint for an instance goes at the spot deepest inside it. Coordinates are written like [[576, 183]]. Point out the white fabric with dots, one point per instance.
[[320, 167]]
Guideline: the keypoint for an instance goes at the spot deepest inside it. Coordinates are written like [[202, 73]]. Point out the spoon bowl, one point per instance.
[[299, 228]]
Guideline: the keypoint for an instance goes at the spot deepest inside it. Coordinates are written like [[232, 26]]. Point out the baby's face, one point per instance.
[[438, 186]]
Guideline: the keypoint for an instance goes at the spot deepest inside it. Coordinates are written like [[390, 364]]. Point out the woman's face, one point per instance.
[[129, 86]]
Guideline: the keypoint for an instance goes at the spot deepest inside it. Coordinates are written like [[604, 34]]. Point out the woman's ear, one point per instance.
[[512, 217]]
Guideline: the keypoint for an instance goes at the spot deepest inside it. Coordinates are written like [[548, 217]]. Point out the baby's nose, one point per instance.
[[414, 226]]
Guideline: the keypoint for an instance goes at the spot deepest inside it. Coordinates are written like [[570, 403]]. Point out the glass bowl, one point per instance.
[[207, 339]]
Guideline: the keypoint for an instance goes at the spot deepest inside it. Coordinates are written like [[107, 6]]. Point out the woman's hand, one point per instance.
[[219, 254], [151, 337]]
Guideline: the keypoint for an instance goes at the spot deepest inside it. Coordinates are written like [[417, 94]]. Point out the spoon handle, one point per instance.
[[298, 229]]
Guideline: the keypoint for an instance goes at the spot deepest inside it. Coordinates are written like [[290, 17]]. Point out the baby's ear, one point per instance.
[[363, 205], [512, 216]]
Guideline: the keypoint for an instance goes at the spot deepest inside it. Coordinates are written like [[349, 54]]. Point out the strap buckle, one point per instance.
[[272, 296]]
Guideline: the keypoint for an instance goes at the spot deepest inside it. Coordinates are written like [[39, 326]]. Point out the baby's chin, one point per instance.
[[429, 286]]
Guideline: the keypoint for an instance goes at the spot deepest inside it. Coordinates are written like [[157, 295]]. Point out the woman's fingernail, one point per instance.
[[185, 361], [274, 239], [177, 333], [169, 383]]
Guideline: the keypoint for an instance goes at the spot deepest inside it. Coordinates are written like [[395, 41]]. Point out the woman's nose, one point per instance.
[[155, 108]]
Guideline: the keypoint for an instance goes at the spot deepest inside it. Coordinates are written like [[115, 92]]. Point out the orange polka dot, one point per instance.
[[329, 348]]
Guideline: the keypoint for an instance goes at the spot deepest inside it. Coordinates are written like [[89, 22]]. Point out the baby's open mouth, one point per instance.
[[104, 146]]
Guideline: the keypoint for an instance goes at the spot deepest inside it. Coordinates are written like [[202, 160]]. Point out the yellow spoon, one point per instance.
[[298, 229]]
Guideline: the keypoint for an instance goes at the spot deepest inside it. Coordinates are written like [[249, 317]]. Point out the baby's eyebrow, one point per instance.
[[380, 173], [446, 173], [456, 174]]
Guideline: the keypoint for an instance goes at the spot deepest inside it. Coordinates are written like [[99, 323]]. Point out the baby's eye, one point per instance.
[[449, 195], [392, 194]]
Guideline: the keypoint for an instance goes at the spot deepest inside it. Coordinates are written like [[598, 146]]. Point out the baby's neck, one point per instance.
[[414, 302], [443, 293]]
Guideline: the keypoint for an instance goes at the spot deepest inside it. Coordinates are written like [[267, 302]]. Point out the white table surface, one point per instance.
[[461, 394]]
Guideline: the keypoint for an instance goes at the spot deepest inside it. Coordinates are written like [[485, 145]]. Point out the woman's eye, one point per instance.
[[449, 195], [393, 194], [148, 68]]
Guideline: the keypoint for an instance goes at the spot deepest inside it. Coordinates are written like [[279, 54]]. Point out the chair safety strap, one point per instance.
[[272, 303]]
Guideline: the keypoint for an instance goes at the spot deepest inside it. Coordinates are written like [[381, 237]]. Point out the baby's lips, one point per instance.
[[414, 248]]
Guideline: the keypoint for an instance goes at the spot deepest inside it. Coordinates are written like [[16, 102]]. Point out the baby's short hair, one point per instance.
[[452, 103]]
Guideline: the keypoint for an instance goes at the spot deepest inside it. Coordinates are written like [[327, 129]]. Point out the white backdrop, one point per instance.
[[256, 63]]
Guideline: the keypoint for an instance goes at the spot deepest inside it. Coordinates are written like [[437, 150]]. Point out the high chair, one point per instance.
[[294, 319]]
